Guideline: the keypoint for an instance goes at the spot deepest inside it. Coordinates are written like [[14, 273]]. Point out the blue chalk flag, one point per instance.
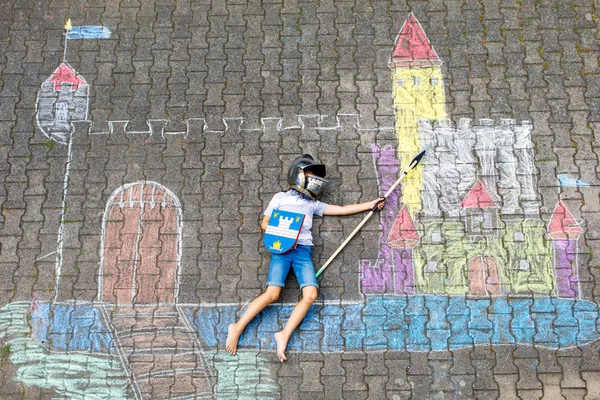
[[88, 32]]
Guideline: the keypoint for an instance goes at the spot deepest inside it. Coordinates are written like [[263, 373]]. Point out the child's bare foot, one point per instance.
[[281, 341], [233, 335]]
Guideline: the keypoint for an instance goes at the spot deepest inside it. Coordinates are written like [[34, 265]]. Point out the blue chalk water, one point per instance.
[[413, 323]]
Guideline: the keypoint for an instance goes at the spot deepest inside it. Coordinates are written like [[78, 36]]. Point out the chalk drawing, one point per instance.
[[83, 32], [51, 344], [467, 234], [483, 276], [62, 100], [567, 181], [418, 89], [394, 271], [379, 277], [61, 226], [88, 32], [140, 271], [564, 231], [243, 377], [141, 245], [473, 225], [64, 96], [75, 362], [466, 225], [413, 323]]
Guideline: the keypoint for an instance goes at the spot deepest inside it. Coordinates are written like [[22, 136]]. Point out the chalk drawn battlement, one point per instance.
[[489, 134], [500, 153], [345, 126], [444, 135]]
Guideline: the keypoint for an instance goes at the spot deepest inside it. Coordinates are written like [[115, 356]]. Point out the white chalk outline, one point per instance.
[[121, 203]]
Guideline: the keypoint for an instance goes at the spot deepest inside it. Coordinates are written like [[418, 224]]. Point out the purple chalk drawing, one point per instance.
[[565, 261], [393, 271], [564, 231]]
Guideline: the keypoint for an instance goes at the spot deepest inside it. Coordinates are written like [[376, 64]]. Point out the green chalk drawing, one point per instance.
[[72, 375], [243, 377], [521, 248]]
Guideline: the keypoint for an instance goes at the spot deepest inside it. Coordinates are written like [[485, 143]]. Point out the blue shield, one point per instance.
[[283, 231]]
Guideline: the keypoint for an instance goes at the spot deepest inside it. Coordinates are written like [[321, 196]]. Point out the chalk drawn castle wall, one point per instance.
[[498, 153], [224, 178]]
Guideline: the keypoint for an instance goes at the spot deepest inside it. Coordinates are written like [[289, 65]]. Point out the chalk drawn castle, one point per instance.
[[471, 222], [142, 258]]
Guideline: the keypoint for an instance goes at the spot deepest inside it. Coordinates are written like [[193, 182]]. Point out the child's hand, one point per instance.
[[378, 204]]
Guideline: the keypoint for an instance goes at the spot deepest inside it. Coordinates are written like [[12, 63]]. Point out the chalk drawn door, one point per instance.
[[483, 277], [141, 245]]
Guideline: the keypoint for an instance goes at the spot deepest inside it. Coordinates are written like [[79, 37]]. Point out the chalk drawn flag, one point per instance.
[[283, 230], [86, 31], [89, 32], [83, 32]]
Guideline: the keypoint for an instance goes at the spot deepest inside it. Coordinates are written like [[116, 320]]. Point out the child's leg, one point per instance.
[[309, 295], [235, 330]]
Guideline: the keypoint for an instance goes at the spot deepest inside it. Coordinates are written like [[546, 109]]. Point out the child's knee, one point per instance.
[[273, 293], [310, 294]]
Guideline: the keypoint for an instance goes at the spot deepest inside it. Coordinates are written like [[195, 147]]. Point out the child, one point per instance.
[[306, 182]]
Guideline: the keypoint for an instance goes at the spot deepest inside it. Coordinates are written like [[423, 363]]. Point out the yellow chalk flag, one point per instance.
[[68, 25]]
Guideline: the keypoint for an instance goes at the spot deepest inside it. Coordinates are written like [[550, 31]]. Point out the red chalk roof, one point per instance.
[[413, 49], [562, 224], [65, 74], [478, 197], [403, 233]]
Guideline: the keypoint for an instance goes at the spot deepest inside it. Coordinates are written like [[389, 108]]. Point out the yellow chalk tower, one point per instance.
[[418, 94]]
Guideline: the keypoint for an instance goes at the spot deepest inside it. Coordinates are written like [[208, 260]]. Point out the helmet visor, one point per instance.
[[315, 186]]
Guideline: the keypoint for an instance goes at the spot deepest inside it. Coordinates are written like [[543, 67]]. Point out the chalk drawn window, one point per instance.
[[524, 265], [416, 80], [482, 221], [519, 237], [432, 266], [436, 237], [434, 81], [487, 221], [476, 223], [400, 82], [62, 112]]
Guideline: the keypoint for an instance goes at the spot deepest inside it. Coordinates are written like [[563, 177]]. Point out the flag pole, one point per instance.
[[68, 27], [415, 161]]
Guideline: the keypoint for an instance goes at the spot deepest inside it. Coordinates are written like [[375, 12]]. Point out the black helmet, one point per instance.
[[313, 184]]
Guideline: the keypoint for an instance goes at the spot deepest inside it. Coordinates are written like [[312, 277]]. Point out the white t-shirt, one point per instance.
[[291, 201]]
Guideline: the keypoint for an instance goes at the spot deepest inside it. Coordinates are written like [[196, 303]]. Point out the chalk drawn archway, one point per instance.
[[141, 246]]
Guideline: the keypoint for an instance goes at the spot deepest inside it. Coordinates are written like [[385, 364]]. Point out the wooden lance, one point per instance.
[[412, 165]]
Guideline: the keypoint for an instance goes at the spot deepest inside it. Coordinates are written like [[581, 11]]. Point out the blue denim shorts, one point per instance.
[[300, 259]]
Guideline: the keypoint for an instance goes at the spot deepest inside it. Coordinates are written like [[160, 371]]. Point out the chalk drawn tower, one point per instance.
[[565, 231], [62, 99], [418, 93]]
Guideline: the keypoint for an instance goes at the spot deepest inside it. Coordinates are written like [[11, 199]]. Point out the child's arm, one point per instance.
[[264, 223], [352, 208]]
